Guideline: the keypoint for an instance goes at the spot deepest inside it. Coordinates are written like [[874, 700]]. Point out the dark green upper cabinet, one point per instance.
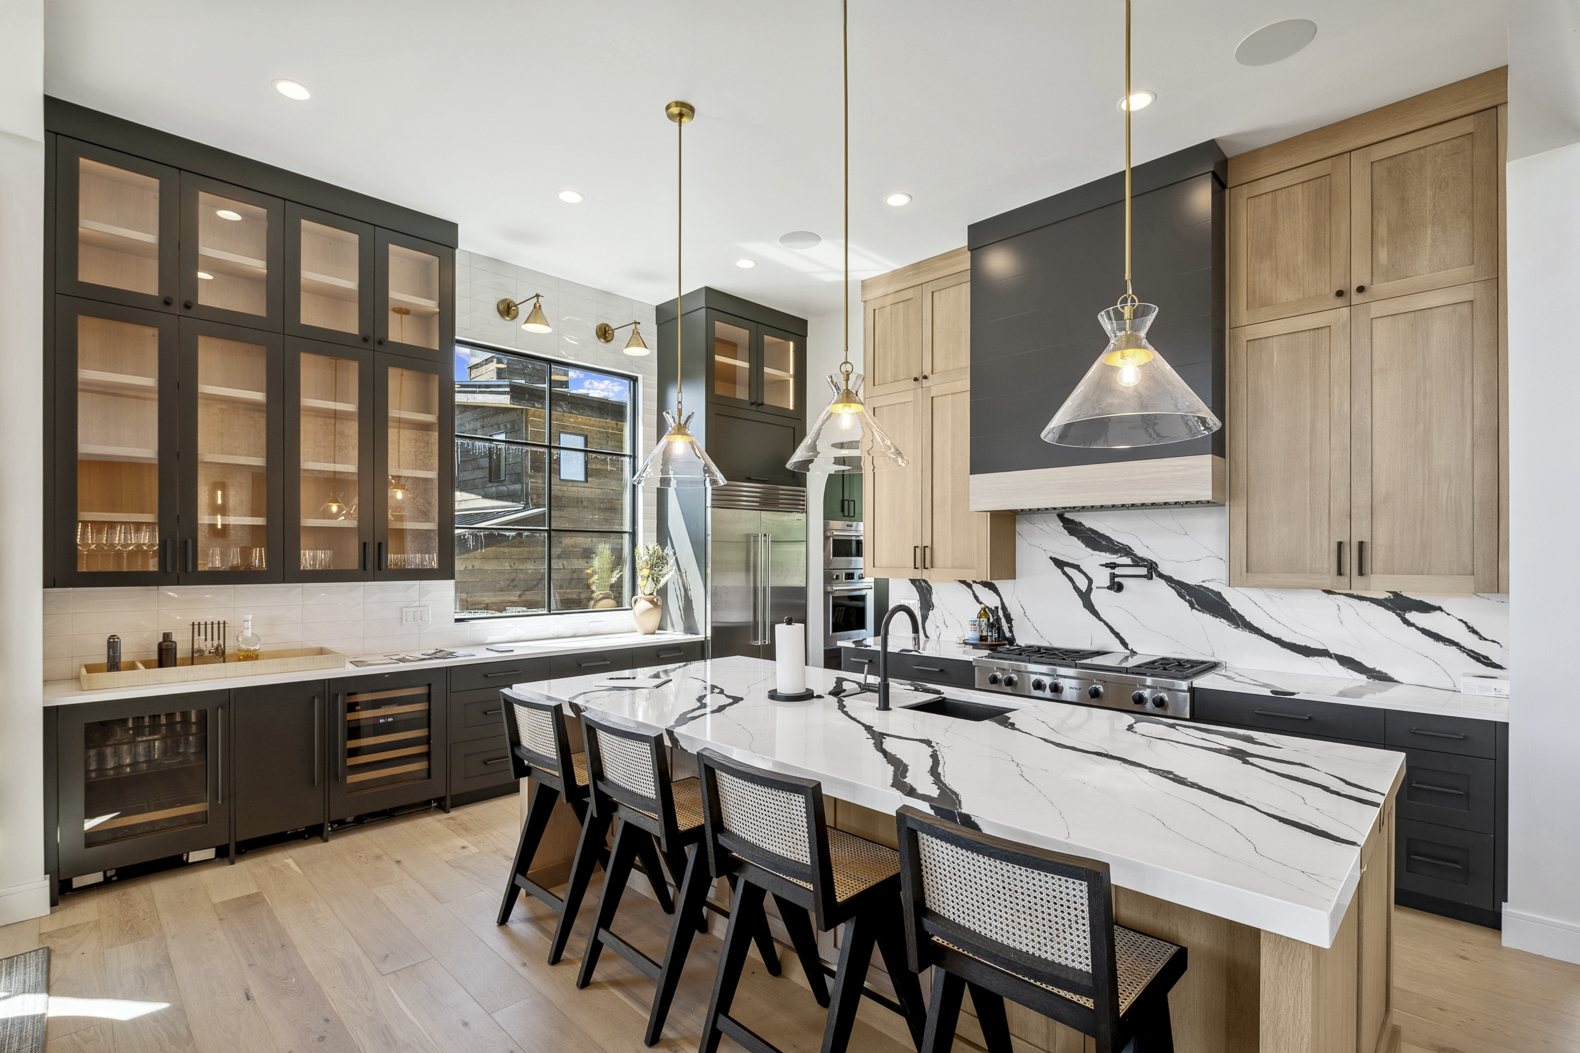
[[329, 276], [415, 289], [116, 226], [232, 254]]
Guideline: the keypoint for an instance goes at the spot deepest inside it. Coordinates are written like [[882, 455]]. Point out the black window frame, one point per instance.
[[550, 447]]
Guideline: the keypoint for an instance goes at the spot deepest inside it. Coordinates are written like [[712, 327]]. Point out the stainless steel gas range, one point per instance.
[[1143, 683]]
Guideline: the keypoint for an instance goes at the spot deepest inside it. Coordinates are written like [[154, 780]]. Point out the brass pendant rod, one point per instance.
[[844, 58], [1128, 291], [680, 229]]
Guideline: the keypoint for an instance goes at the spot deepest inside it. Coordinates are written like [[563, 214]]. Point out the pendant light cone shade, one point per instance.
[[635, 346], [679, 461], [846, 438], [1130, 396], [536, 321]]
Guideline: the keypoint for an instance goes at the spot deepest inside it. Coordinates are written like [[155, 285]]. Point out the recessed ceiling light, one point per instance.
[[1139, 100], [292, 90], [800, 239], [1275, 42], [746, 264], [570, 197], [225, 213], [206, 276], [897, 200]]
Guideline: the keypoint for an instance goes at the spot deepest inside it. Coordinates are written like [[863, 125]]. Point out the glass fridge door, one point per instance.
[[144, 775]]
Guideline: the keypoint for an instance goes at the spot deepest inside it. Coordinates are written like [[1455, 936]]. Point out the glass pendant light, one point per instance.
[[678, 459], [846, 437], [1130, 396]]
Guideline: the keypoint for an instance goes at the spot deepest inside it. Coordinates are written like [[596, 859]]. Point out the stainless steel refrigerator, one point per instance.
[[758, 540]]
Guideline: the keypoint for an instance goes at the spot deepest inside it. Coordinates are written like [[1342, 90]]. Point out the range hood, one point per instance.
[[1039, 276]]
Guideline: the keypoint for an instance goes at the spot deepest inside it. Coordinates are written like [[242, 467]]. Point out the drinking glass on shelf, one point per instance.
[[256, 559], [214, 560]]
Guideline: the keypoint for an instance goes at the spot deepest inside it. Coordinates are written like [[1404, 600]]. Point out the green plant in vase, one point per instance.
[[601, 577], [655, 565]]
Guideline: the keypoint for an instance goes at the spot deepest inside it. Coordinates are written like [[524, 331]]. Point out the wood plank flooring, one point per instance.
[[384, 940]]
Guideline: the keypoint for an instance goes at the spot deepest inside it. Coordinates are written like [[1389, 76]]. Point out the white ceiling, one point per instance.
[[481, 111]]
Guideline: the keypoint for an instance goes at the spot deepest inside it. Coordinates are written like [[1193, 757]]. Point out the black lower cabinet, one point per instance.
[[141, 780], [279, 758], [388, 747]]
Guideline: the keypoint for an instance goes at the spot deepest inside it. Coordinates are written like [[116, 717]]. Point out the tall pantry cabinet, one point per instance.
[[1365, 385]]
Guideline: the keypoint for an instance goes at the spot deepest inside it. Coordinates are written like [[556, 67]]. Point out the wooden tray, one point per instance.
[[135, 674]]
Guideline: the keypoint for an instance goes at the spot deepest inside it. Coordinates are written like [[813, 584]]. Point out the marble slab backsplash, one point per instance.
[[1059, 597]]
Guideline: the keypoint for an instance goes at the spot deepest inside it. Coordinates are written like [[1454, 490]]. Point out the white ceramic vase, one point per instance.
[[646, 612]]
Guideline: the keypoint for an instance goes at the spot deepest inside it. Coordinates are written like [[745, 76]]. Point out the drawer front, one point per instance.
[[1444, 862], [933, 670], [858, 660], [590, 663], [1290, 716], [479, 765], [1449, 790], [1424, 731], [499, 674], [666, 654], [476, 715]]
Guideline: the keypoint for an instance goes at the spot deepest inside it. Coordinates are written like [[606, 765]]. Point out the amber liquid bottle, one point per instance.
[[249, 645]]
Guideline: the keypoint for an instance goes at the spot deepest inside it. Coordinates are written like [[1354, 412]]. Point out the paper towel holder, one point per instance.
[[799, 696]]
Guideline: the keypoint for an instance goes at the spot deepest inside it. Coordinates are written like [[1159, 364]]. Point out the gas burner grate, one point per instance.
[[1173, 668], [1037, 653]]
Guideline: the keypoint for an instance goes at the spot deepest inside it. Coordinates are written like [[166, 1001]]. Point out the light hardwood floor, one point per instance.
[[384, 940]]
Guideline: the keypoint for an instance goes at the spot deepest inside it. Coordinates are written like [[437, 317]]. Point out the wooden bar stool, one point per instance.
[[768, 830], [1036, 927], [630, 779], [540, 747]]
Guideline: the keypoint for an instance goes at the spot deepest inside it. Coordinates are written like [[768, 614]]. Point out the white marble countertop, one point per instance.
[[1375, 693], [66, 692], [905, 643], [1258, 828]]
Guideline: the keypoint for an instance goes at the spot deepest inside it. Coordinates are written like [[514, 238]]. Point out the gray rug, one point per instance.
[[24, 998]]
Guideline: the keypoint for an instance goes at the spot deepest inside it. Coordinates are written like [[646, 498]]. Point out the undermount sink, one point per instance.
[[958, 708]]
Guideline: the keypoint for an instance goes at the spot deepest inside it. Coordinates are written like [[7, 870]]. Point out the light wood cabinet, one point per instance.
[[1289, 250], [919, 522]]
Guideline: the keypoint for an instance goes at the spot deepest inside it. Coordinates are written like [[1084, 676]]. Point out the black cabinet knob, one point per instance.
[[169, 300], [1095, 691], [924, 376], [381, 341], [1360, 288], [1338, 292], [914, 379], [187, 304], [366, 338], [1138, 697]]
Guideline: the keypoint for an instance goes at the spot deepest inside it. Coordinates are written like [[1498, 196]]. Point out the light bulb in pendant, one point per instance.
[[1129, 376], [845, 421]]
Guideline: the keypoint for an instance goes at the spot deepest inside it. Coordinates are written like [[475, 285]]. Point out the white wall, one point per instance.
[[24, 890], [824, 352]]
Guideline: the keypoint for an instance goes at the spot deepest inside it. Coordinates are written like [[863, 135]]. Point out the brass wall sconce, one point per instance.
[[633, 346], [536, 322]]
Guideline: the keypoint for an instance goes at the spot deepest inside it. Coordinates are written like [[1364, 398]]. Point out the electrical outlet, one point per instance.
[[414, 616]]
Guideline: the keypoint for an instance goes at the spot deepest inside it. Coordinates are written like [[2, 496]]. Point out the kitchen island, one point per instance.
[[1269, 857]]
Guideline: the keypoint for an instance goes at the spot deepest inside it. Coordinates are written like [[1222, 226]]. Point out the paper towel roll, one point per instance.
[[790, 657]]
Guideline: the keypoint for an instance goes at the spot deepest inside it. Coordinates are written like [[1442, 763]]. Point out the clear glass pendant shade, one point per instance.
[[1130, 396], [678, 460], [846, 438]]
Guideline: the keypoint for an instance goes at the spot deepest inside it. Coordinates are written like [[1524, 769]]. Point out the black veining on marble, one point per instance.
[[1249, 759], [900, 768], [1000, 608], [1083, 592], [1008, 721], [703, 708], [1212, 602], [1402, 606], [924, 601]]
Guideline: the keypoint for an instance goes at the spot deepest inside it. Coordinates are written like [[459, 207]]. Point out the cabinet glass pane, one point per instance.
[[502, 396], [589, 571], [500, 572], [593, 407], [591, 490], [330, 277], [329, 414], [414, 297], [232, 453], [732, 361], [778, 372], [117, 227], [388, 735], [233, 268], [144, 775], [413, 470], [117, 445]]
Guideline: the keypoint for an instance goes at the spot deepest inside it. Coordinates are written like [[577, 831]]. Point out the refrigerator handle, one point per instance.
[[768, 581], [756, 559]]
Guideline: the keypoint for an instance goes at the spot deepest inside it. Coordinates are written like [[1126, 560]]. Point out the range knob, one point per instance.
[[1139, 697], [1160, 701], [1096, 691], [1039, 685], [993, 678], [1056, 688], [1010, 679]]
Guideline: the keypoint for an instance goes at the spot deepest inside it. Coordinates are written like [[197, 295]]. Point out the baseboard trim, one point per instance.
[[1483, 916], [1548, 937], [23, 902]]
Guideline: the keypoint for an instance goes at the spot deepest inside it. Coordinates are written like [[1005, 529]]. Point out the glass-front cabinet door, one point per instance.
[[754, 366], [330, 274], [232, 454], [232, 253], [141, 779], [390, 741], [780, 386], [413, 313], [329, 448], [117, 219], [115, 439], [415, 494]]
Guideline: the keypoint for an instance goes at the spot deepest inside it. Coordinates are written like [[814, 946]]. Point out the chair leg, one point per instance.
[[891, 944], [746, 911], [855, 953], [693, 893], [991, 1015], [943, 1013], [1154, 1028], [647, 852], [589, 846], [539, 810], [805, 944], [627, 844]]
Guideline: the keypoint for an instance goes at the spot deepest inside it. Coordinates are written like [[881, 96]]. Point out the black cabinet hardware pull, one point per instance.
[[170, 555], [366, 338], [593, 665], [502, 672], [1360, 558], [188, 555], [1284, 716], [219, 760], [1436, 734], [927, 668], [1336, 292], [492, 712], [364, 555], [496, 760], [915, 556], [1340, 570], [1435, 862], [169, 300], [1436, 789], [381, 556], [924, 556], [318, 731], [187, 304], [669, 654], [1360, 288]]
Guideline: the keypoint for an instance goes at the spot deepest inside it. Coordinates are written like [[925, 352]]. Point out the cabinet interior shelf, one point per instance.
[[398, 524], [234, 458], [235, 259], [772, 372], [331, 285], [414, 473], [234, 520], [87, 451], [414, 416], [103, 380], [157, 769], [223, 394], [96, 235], [350, 523], [329, 466], [419, 304], [118, 517], [326, 406]]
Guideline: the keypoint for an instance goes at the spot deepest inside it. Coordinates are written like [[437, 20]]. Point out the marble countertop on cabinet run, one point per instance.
[[1261, 829], [1376, 693], [905, 643], [67, 692]]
